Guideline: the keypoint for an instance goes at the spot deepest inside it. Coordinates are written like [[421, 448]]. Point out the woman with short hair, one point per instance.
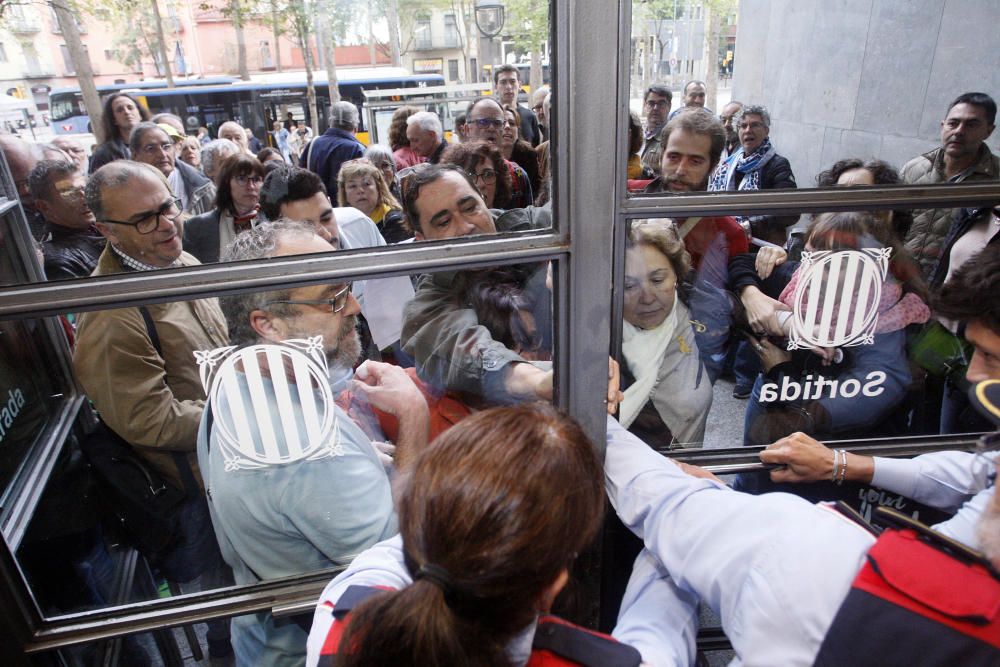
[[360, 184], [237, 207], [484, 164]]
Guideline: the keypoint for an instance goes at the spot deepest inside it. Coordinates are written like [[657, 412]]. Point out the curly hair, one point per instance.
[[882, 174], [470, 155], [397, 128]]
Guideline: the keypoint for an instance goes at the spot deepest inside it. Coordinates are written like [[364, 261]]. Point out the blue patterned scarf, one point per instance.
[[748, 164]]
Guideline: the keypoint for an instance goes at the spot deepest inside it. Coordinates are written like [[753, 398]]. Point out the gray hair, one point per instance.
[[379, 155], [258, 242], [344, 116], [135, 138], [757, 110], [426, 121], [115, 175], [41, 177], [214, 152]]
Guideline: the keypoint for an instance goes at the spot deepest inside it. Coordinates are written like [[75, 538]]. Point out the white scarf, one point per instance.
[[643, 350]]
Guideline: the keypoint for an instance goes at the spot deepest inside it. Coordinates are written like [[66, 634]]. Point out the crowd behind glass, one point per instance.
[[704, 298]]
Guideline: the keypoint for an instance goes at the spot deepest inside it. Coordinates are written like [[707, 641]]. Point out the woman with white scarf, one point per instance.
[[668, 400]]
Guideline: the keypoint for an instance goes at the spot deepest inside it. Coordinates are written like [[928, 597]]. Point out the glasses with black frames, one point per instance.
[[147, 222]]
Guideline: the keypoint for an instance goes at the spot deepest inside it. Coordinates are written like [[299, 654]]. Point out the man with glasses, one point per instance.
[[327, 497], [484, 121], [137, 364], [506, 87], [72, 244], [797, 583], [152, 144], [656, 107]]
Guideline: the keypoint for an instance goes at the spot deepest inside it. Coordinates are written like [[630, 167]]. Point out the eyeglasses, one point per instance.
[[337, 303], [487, 122], [487, 176], [252, 180], [165, 147], [73, 194], [752, 126], [171, 210], [657, 104]]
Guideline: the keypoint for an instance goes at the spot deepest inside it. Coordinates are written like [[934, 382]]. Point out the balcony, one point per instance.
[[23, 25]]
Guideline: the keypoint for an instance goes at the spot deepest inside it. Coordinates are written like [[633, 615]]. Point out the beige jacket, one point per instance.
[[153, 402]]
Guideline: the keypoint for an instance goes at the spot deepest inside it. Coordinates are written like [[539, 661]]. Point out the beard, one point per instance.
[[689, 187], [988, 532], [348, 346]]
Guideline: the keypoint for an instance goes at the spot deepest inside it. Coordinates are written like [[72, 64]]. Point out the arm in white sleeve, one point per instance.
[[774, 567], [943, 480], [656, 617]]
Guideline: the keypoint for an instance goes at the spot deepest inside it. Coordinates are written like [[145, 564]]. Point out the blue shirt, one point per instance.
[[327, 152]]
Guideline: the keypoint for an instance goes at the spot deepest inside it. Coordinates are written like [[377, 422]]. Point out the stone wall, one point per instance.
[[862, 78]]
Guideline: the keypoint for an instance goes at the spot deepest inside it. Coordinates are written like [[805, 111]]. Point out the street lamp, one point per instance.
[[490, 16]]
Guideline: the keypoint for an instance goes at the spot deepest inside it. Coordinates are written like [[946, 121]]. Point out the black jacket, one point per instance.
[[965, 218], [70, 253], [109, 151]]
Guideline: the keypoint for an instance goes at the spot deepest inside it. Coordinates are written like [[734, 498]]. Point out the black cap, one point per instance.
[[985, 396]]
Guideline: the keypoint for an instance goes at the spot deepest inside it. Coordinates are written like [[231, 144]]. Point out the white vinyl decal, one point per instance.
[[278, 403], [837, 298]]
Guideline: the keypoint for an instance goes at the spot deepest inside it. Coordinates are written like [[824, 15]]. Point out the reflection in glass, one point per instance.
[[278, 445], [673, 341]]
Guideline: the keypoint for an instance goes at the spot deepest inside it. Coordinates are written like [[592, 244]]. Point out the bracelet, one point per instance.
[[836, 458], [843, 467]]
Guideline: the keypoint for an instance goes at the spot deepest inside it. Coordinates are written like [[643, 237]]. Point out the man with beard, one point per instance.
[[692, 143], [962, 157], [288, 494], [797, 583], [72, 244]]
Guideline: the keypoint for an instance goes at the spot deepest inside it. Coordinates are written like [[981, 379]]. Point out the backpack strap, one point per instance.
[[191, 488]]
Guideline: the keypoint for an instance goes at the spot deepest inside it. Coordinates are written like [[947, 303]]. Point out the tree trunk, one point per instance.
[[310, 86], [329, 54], [713, 20], [275, 25], [161, 38], [392, 16], [535, 74], [81, 65], [241, 40]]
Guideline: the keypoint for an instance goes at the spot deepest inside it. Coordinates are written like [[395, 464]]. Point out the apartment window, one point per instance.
[[450, 31], [453, 70], [422, 33]]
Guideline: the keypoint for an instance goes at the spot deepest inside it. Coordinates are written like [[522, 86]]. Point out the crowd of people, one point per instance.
[[394, 455]]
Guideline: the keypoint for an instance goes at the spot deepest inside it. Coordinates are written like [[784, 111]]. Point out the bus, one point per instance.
[[69, 116], [256, 104]]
